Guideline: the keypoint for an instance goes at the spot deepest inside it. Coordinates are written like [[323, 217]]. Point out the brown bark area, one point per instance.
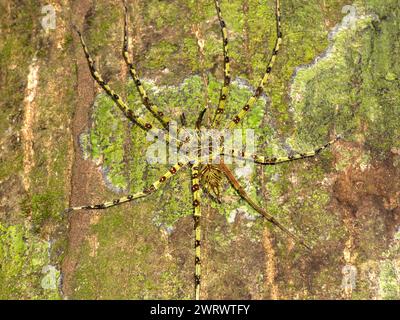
[[84, 175]]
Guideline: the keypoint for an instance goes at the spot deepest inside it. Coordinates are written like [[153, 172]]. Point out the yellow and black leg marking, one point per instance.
[[147, 191], [105, 86], [240, 190], [277, 160], [196, 191], [155, 111], [227, 74], [252, 100], [146, 126]]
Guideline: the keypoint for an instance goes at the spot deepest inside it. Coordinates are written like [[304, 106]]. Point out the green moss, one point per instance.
[[101, 19], [118, 263], [44, 206], [47, 200], [16, 51], [350, 87], [22, 257], [389, 282], [13, 165], [159, 55]]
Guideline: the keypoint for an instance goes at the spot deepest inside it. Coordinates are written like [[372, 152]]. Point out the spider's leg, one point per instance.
[[147, 191], [250, 102], [116, 98], [154, 110], [197, 229], [236, 184], [227, 75], [277, 160]]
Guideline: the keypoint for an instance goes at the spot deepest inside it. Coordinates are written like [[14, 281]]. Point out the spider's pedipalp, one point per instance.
[[252, 100], [147, 191], [182, 117], [154, 109], [227, 74], [200, 118]]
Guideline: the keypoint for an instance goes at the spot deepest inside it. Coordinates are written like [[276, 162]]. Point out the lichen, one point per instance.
[[347, 89]]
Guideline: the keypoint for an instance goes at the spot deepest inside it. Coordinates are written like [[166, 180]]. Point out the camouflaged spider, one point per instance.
[[206, 174]]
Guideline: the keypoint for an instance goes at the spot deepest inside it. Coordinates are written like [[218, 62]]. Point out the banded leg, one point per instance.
[[128, 113], [236, 184], [227, 74], [147, 191], [197, 228], [277, 160], [252, 100], [154, 110]]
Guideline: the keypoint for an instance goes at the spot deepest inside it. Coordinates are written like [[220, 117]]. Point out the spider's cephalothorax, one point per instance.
[[211, 179], [206, 174]]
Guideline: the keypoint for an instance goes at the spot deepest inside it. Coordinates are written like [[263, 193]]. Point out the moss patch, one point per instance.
[[22, 258]]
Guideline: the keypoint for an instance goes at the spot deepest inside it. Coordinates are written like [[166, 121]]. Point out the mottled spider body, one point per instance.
[[208, 171], [211, 178]]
